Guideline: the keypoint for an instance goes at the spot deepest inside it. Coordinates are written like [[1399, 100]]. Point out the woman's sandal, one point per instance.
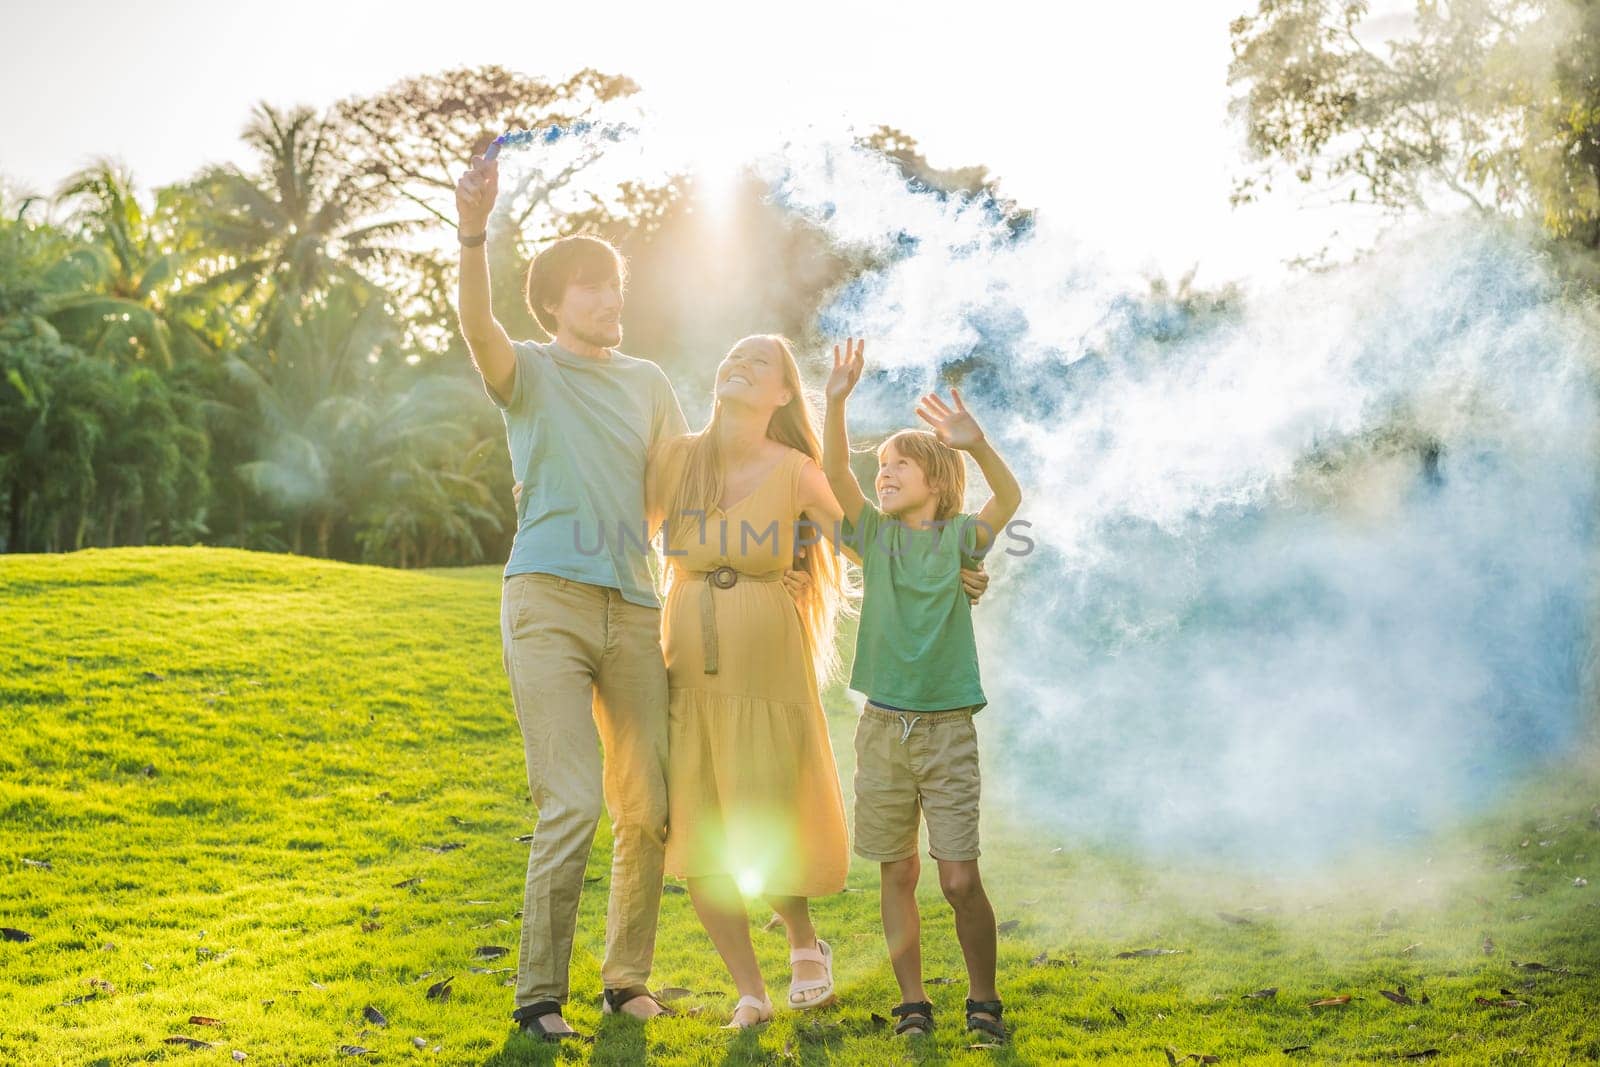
[[821, 954], [614, 999], [916, 1018], [528, 1016], [763, 1010], [993, 1027]]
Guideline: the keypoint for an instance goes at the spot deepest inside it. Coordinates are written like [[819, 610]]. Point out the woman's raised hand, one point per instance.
[[846, 369]]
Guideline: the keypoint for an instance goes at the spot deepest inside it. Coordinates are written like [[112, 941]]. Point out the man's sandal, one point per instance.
[[821, 954], [916, 1018], [993, 1027], [614, 999], [528, 1016]]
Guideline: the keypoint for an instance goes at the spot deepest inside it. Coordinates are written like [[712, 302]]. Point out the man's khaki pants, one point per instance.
[[586, 671]]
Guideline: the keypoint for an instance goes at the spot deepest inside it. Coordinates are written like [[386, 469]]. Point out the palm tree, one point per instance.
[[310, 385], [120, 293], [303, 224]]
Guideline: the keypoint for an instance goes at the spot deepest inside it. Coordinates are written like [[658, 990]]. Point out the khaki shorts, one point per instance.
[[908, 762]]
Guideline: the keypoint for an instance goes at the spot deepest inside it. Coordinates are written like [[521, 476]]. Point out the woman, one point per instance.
[[753, 792]]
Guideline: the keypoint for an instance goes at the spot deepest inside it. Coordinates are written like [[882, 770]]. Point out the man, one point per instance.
[[580, 621]]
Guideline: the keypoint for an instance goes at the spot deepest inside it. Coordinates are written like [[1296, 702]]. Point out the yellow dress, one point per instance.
[[752, 788]]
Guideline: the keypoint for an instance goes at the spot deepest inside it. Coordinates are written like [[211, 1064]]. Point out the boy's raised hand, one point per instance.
[[846, 369], [953, 426]]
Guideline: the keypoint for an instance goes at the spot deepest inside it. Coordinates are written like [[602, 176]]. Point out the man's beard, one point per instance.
[[598, 339]]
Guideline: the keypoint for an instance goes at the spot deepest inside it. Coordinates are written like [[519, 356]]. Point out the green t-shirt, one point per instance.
[[915, 649], [580, 432]]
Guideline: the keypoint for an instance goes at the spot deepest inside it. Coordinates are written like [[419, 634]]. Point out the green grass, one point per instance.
[[232, 761]]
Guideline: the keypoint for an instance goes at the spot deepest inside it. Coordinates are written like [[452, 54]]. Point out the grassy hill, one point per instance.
[[275, 792]]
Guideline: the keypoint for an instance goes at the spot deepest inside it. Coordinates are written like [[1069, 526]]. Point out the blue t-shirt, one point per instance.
[[580, 432]]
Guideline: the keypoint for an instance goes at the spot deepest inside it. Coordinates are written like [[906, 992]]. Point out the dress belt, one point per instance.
[[722, 578]]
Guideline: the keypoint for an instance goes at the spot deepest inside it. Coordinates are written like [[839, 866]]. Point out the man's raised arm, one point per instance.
[[486, 339]]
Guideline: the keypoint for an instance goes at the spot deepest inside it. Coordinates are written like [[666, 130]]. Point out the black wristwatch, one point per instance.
[[474, 241]]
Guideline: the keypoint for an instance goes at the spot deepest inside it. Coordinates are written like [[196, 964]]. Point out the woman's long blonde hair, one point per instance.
[[703, 481]]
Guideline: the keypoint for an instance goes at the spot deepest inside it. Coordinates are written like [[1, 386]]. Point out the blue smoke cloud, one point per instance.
[[1309, 577]]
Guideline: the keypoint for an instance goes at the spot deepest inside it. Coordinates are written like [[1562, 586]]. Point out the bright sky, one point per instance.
[[1109, 118]]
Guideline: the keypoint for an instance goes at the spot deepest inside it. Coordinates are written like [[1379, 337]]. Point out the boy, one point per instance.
[[917, 664]]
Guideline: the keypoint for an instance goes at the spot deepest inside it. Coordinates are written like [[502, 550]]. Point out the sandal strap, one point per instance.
[[988, 1007], [618, 997], [915, 1007], [747, 1001], [810, 955], [537, 1010]]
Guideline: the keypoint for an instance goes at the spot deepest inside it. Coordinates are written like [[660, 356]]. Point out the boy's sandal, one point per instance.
[[528, 1016], [993, 1027], [916, 1018], [821, 954], [614, 999], [763, 1010]]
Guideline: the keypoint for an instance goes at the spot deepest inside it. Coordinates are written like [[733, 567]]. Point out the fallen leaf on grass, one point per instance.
[[673, 992], [72, 1002], [374, 1016], [1397, 996], [1008, 926], [1143, 952], [1420, 1055], [12, 934], [1121, 1018], [1549, 969], [1298, 1048], [445, 846], [1262, 994], [673, 887], [407, 884], [187, 1042], [441, 990], [103, 986], [942, 980], [204, 1020], [354, 1050], [1236, 920], [369, 927], [1199, 1057], [43, 865], [1331, 1002], [239, 1056], [1509, 1002], [525, 838], [490, 952], [879, 1021], [420, 1042], [1488, 946], [1409, 949]]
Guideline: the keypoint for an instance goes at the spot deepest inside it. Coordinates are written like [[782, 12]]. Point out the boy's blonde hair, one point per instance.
[[941, 465]]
